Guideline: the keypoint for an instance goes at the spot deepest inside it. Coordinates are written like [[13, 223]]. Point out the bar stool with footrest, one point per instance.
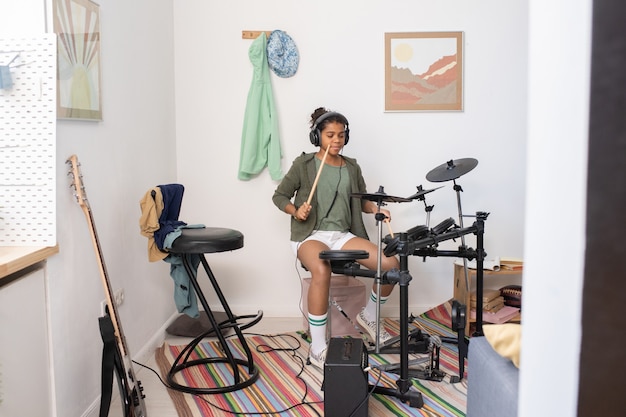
[[190, 245], [200, 242]]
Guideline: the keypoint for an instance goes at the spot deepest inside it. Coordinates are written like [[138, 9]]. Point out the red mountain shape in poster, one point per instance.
[[436, 85]]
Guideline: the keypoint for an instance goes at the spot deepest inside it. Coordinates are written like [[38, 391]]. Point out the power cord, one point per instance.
[[369, 393]]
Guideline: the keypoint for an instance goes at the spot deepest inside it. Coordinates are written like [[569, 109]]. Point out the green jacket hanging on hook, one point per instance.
[[260, 140]]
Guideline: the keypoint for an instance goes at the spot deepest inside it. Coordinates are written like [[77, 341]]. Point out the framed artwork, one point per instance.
[[423, 71], [77, 25]]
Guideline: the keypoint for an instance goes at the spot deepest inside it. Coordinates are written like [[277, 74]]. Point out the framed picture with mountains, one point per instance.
[[423, 71]]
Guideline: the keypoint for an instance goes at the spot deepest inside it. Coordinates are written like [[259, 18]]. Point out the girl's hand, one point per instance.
[[302, 212], [373, 209], [387, 214]]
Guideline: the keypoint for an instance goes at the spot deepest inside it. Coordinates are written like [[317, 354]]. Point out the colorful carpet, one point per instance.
[[287, 387]]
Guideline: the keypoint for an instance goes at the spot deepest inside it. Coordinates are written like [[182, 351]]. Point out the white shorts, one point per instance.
[[334, 240]]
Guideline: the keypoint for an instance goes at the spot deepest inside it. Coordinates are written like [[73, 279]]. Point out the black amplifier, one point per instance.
[[345, 379]]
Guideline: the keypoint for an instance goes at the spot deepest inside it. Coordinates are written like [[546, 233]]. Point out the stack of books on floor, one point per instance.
[[510, 264], [494, 309]]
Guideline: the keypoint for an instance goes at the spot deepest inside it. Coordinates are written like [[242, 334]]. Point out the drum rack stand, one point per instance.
[[426, 247]]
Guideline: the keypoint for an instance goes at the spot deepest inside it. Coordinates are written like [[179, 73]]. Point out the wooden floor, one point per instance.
[[158, 402]]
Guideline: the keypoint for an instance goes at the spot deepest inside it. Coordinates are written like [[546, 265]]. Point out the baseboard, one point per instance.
[[146, 352], [94, 408]]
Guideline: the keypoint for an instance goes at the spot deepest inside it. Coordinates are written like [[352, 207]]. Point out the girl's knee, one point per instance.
[[390, 263], [320, 270], [320, 280]]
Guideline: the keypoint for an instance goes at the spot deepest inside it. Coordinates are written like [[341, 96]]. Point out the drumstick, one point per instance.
[[317, 177], [389, 227]]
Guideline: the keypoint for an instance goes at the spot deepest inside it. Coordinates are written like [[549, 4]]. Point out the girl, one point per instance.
[[332, 221]]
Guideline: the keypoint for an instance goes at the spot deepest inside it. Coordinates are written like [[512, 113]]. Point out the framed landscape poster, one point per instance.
[[423, 71], [77, 25]]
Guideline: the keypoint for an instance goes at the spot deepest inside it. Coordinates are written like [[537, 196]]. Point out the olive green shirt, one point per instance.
[[298, 182], [333, 198]]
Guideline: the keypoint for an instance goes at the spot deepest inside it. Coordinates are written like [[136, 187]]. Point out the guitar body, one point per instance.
[[112, 365], [110, 326]]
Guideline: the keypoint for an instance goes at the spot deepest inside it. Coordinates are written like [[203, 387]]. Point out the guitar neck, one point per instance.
[[106, 283]]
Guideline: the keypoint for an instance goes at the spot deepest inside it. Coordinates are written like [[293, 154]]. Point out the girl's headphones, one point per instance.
[[315, 133]]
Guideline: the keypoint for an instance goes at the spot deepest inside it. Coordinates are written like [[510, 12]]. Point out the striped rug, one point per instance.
[[287, 387]]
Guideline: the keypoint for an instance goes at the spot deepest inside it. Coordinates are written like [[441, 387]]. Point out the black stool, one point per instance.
[[197, 242], [343, 262]]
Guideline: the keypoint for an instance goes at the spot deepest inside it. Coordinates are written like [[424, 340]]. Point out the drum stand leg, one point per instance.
[[403, 393], [379, 218], [458, 190]]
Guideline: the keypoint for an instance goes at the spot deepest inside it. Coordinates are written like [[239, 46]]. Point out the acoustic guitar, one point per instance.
[[130, 387]]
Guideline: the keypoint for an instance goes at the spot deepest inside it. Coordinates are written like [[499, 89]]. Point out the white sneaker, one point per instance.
[[370, 326], [318, 360]]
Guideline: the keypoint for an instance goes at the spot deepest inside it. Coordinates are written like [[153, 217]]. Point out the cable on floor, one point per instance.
[[263, 349]]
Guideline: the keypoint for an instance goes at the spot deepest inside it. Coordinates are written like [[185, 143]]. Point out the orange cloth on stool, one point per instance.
[[151, 208]]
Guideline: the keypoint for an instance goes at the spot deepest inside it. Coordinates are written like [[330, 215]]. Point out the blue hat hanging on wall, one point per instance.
[[282, 54]]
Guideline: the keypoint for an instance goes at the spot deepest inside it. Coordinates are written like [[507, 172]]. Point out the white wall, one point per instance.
[[24, 17], [131, 150], [341, 46], [560, 44]]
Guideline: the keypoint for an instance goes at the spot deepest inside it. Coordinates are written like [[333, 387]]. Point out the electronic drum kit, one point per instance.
[[421, 240]]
